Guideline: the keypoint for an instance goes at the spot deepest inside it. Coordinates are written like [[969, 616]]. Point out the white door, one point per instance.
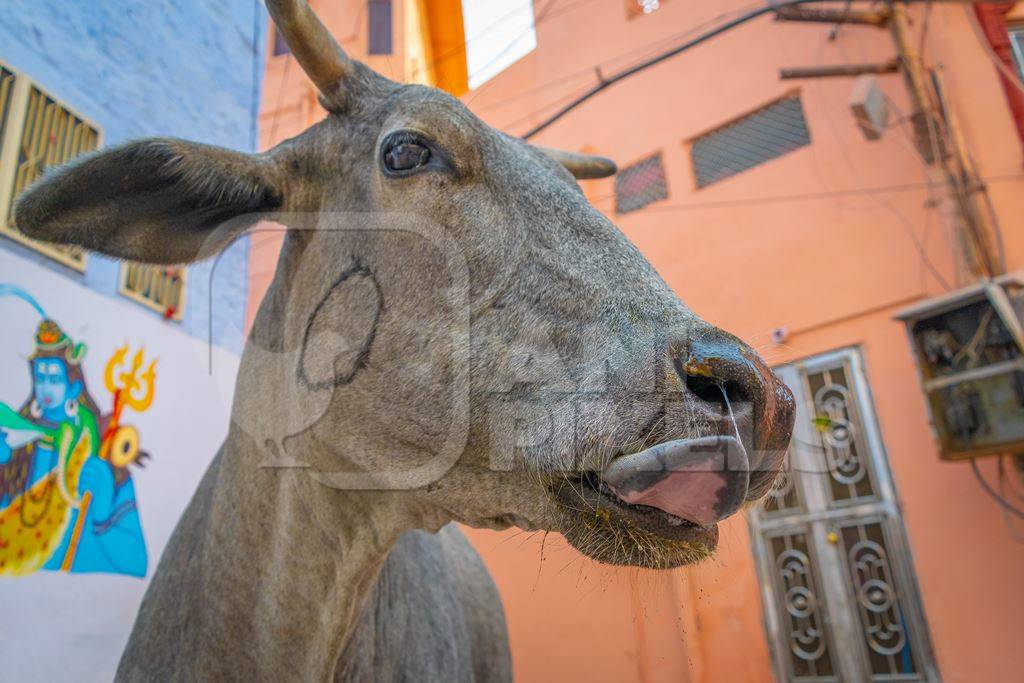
[[840, 596]]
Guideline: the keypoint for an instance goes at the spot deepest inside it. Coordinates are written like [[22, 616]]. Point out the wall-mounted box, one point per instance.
[[969, 348]]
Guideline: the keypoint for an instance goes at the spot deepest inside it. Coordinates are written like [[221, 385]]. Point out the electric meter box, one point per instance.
[[969, 348]]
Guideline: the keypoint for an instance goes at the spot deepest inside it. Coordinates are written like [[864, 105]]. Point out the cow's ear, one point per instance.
[[154, 201]]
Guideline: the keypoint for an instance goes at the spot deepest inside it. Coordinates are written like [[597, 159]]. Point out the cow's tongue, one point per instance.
[[700, 480]]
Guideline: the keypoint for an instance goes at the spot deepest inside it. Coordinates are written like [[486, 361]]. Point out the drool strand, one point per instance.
[[728, 405]]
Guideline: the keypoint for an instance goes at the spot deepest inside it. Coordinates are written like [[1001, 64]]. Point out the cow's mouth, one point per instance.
[[660, 507], [590, 496]]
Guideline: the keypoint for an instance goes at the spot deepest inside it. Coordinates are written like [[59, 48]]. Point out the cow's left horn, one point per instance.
[[314, 47], [582, 166]]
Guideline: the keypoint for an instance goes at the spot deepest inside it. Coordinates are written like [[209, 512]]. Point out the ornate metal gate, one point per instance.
[[840, 595]]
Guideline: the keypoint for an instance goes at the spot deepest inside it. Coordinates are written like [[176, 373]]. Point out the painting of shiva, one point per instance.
[[67, 499]]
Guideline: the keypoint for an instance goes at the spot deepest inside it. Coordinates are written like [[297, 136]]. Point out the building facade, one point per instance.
[[766, 207], [138, 361], [776, 213]]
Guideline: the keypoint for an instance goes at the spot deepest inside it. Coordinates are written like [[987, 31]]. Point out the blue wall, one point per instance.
[[138, 68]]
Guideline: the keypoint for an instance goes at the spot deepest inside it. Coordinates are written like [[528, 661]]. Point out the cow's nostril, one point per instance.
[[713, 390]]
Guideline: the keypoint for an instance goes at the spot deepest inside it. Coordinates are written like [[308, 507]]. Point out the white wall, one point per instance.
[[56, 626]]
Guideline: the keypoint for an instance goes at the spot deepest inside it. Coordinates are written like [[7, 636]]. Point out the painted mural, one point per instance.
[[67, 498]]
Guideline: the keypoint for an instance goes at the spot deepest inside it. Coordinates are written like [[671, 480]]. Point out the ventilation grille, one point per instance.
[[157, 287], [640, 184], [756, 138]]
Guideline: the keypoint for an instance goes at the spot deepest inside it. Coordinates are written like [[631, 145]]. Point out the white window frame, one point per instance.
[[122, 288], [10, 145]]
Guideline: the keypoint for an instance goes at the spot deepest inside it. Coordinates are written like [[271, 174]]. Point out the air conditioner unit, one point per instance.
[[969, 347]]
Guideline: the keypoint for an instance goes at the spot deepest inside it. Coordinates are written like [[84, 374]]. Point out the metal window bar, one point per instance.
[[1017, 43], [160, 288], [784, 496], [50, 135], [801, 607], [6, 91], [640, 184], [878, 597], [839, 436], [857, 554], [761, 136]]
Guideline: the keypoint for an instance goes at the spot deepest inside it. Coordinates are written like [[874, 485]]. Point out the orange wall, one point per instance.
[[774, 246], [832, 269]]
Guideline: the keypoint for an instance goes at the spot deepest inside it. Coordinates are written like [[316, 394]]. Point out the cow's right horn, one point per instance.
[[314, 47]]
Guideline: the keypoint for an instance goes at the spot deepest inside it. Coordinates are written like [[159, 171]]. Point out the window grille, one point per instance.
[[380, 27], [6, 90], [640, 184], [1017, 43], [160, 288], [758, 137], [38, 132]]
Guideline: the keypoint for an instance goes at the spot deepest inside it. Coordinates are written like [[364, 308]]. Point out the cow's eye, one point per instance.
[[403, 154], [406, 156]]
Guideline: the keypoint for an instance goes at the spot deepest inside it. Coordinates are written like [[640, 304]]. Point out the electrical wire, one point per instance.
[[542, 16], [905, 223], [1007, 519], [809, 196], [537, 19], [272, 136], [1020, 473], [771, 6], [342, 40], [645, 49], [1003, 503]]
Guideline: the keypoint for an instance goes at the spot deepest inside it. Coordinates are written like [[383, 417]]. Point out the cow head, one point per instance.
[[449, 318]]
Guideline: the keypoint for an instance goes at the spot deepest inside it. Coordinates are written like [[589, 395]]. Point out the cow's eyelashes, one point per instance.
[[404, 153]]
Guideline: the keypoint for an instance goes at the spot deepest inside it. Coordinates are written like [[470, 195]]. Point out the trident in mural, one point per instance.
[[119, 445], [65, 485]]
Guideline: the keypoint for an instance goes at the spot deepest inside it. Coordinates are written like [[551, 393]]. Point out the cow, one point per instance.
[[453, 335]]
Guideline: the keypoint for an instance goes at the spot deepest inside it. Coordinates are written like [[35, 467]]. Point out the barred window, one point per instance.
[[6, 90], [758, 137], [160, 288], [640, 184], [1017, 43], [36, 132], [380, 26]]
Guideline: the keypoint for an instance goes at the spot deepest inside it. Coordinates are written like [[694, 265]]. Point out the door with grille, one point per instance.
[[840, 596]]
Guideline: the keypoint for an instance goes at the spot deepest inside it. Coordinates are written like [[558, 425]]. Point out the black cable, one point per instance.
[[771, 6], [993, 493]]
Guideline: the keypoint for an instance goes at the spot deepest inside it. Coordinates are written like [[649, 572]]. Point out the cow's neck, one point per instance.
[[275, 567], [289, 561]]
